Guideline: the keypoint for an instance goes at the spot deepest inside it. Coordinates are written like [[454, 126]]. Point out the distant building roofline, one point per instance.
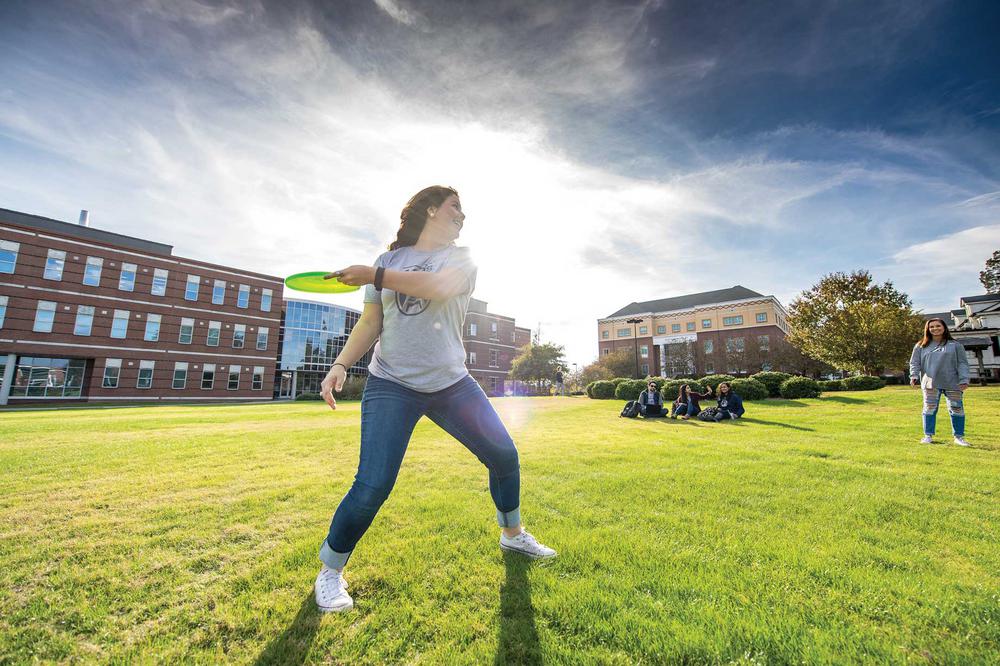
[[47, 224]]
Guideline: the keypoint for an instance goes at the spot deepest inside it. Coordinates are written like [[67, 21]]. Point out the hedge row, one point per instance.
[[756, 387]]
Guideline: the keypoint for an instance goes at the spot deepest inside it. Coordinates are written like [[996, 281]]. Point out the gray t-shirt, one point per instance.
[[421, 342]]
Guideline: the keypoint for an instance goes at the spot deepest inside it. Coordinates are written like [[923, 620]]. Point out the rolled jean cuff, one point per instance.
[[509, 518], [332, 558]]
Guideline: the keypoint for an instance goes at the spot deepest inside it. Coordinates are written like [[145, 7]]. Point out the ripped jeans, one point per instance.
[[932, 398]]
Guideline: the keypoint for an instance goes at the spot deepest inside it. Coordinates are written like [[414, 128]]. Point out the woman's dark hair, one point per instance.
[[414, 215], [682, 392], [928, 338]]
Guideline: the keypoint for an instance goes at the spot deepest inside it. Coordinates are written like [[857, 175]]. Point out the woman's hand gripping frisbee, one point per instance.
[[321, 282]]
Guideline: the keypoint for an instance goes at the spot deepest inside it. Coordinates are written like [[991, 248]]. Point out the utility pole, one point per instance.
[[635, 338]]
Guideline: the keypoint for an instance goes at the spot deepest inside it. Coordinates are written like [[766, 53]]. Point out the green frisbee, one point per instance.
[[313, 281]]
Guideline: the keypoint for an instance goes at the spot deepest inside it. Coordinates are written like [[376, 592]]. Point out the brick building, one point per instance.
[[90, 315], [703, 333], [491, 343]]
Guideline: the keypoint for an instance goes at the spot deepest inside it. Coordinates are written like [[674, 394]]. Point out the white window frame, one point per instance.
[[233, 369], [185, 322], [39, 325], [206, 368], [472, 358], [219, 289], [158, 275], [152, 318], [265, 299], [93, 262], [194, 280], [263, 333], [257, 381], [124, 285], [3, 309], [643, 351], [111, 364], [473, 330], [13, 248], [242, 330], [217, 327], [180, 366], [120, 315], [243, 296], [81, 312], [55, 264], [494, 358], [143, 367]]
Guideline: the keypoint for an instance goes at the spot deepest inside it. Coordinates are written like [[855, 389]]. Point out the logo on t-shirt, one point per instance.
[[412, 305]]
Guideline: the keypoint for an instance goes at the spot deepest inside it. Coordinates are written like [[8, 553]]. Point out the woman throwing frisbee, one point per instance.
[[416, 296], [939, 366]]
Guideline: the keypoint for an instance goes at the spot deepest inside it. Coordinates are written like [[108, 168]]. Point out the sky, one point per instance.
[[605, 152]]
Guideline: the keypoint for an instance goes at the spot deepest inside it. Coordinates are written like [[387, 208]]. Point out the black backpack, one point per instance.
[[630, 410]]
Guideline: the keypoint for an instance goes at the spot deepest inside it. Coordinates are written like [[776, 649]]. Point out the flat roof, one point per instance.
[[39, 223]]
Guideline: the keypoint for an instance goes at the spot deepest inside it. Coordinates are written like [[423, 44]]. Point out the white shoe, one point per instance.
[[927, 440], [525, 544], [331, 591], [960, 441]]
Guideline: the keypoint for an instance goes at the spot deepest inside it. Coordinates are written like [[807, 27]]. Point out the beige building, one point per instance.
[[695, 333]]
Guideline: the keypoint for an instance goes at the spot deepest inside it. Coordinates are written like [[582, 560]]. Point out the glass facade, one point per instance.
[[311, 336], [48, 377]]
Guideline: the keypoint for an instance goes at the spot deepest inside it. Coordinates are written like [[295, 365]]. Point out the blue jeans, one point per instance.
[[956, 409], [686, 409], [389, 412]]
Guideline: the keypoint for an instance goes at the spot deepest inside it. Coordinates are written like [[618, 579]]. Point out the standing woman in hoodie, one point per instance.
[[939, 366], [416, 296]]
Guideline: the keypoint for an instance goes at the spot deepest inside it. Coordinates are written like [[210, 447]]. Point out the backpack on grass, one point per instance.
[[630, 410], [708, 414]]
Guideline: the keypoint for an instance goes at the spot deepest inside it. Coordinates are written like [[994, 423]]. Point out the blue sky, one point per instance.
[[605, 151]]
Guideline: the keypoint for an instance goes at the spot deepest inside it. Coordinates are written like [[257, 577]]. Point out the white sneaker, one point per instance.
[[927, 440], [331, 591], [961, 441], [525, 544]]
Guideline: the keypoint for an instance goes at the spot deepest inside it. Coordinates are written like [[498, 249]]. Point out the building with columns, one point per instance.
[[703, 333]]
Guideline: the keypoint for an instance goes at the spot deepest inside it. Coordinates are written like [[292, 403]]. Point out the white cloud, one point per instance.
[[394, 9]]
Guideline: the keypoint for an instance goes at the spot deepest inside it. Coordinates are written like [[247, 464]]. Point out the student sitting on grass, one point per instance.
[[688, 402], [730, 403], [650, 401]]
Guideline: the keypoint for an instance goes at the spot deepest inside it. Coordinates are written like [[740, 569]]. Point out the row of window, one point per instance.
[[494, 334], [113, 366], [45, 315], [676, 328], [55, 262], [732, 345], [494, 358]]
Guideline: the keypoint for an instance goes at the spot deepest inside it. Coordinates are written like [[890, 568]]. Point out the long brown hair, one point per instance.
[[414, 214], [682, 392], [928, 338]]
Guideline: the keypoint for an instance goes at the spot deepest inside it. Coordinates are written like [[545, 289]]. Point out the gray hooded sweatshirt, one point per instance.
[[940, 366]]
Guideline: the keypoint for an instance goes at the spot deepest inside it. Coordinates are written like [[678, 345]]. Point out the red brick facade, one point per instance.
[[491, 344]]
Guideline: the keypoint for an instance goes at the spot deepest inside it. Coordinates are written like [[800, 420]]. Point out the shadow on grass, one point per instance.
[[292, 646], [518, 642], [775, 423], [844, 399]]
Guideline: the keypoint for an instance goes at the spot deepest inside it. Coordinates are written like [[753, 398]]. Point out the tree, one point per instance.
[[594, 372], [620, 363], [990, 277], [851, 323], [537, 363]]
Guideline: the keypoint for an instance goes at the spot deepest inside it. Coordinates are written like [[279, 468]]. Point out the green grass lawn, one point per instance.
[[814, 531]]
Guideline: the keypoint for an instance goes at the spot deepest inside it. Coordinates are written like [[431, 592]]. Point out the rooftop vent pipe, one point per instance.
[[84, 219]]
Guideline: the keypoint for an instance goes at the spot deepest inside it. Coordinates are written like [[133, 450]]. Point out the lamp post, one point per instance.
[[635, 338]]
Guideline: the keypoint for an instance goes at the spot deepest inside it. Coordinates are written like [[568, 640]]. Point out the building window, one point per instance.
[[494, 358], [709, 368], [513, 337], [605, 335], [239, 335], [258, 378], [159, 282], [152, 333], [214, 333], [473, 330], [45, 316], [219, 292], [761, 317], [709, 347], [706, 323], [234, 378], [262, 333], [265, 300], [187, 331], [48, 377], [732, 321], [494, 384], [643, 330], [54, 265], [3, 310], [119, 326], [660, 330], [84, 320], [734, 345], [191, 288], [493, 331], [8, 255], [126, 281], [112, 369], [764, 342], [243, 297], [675, 328], [180, 375], [605, 351], [624, 332], [145, 375], [690, 326], [643, 351], [645, 369], [92, 271], [472, 358], [208, 376]]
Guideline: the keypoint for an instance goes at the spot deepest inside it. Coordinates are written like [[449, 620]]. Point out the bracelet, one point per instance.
[[379, 274], [341, 365]]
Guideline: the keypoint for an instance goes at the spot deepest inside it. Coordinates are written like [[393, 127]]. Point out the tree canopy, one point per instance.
[[990, 276], [537, 363]]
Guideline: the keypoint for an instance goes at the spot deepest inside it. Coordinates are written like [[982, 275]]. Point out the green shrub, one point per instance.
[[630, 389], [863, 383], [831, 385], [618, 380], [673, 387], [603, 390], [749, 389], [799, 387], [773, 381], [715, 380], [590, 389], [659, 381], [308, 396]]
